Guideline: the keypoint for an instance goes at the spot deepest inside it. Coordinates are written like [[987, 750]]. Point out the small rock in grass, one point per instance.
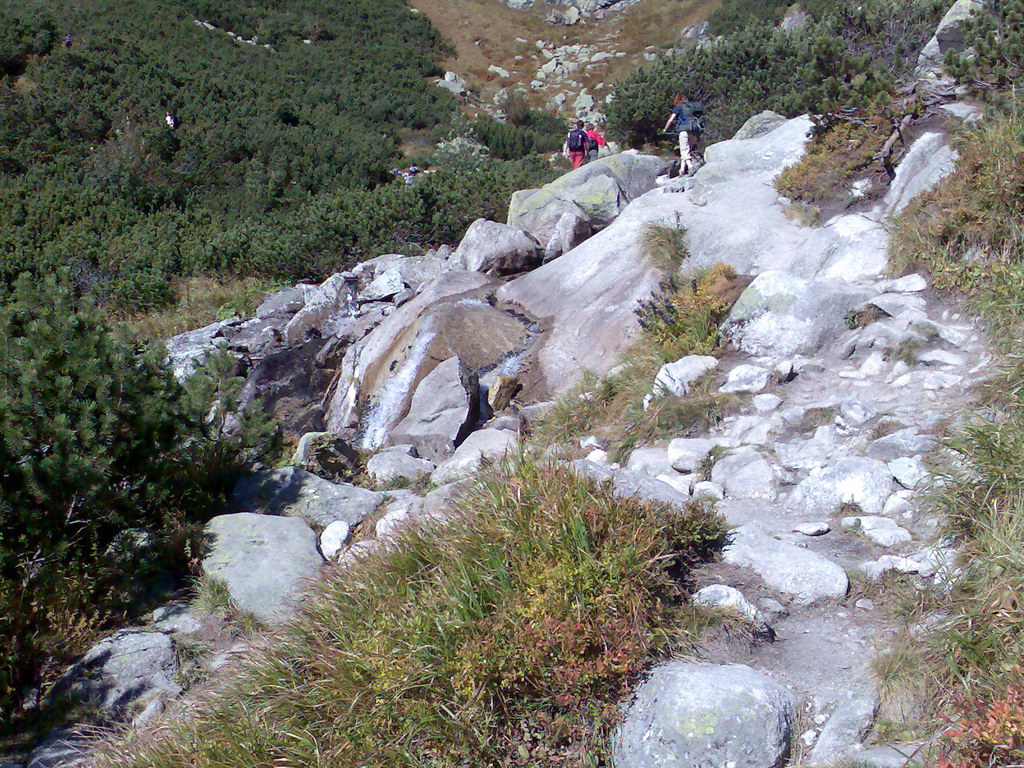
[[708, 490], [333, 538], [731, 599], [865, 605]]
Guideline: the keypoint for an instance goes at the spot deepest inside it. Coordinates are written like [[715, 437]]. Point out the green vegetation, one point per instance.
[[505, 638], [997, 37], [682, 320], [849, 56], [107, 462], [280, 165], [843, 153], [969, 232]]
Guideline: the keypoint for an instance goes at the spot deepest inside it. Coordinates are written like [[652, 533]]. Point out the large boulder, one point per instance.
[[263, 560], [496, 249], [691, 716], [487, 445], [294, 492], [864, 482], [585, 299], [949, 36], [786, 567], [121, 670], [449, 318], [780, 314], [600, 190], [443, 411]]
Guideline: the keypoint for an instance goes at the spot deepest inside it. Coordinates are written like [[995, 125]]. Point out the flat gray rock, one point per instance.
[[263, 560], [293, 492], [745, 474], [796, 571], [120, 670], [388, 466], [690, 716], [846, 728], [856, 480]]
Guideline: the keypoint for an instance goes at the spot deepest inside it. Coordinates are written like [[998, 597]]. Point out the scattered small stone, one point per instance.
[[766, 403], [813, 529], [333, 538], [880, 530], [865, 605], [746, 378], [808, 737]]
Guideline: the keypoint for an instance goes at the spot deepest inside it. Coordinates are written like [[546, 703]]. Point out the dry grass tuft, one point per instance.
[[506, 637]]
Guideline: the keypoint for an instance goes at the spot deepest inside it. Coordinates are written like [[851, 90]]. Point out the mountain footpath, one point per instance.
[[651, 473], [840, 376]]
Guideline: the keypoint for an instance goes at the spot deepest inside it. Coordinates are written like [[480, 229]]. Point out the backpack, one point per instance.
[[577, 140], [690, 117], [592, 145]]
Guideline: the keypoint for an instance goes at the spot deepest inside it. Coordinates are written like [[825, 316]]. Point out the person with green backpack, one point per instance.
[[688, 117]]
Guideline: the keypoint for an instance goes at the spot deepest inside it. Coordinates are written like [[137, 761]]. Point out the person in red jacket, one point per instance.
[[594, 142], [575, 147]]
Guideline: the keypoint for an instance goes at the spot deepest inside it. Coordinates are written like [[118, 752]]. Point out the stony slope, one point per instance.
[[845, 375]]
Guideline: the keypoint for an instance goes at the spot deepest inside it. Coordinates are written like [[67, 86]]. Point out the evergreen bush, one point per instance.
[[105, 462]]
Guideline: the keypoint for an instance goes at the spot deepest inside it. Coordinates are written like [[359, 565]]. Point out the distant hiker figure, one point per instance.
[[688, 117], [171, 120], [575, 147], [67, 42], [594, 143]]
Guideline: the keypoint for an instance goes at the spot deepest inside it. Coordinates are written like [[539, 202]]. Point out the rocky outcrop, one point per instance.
[[597, 192], [443, 411], [585, 299], [497, 249], [449, 318], [264, 561], [687, 715], [293, 492]]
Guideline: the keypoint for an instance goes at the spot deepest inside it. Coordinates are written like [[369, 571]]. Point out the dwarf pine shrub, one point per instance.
[[105, 462]]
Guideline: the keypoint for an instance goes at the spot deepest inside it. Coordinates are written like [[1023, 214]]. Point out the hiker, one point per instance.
[[67, 42], [575, 147], [171, 120], [594, 143], [689, 119]]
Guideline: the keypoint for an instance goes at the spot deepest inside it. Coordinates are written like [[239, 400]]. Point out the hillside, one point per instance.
[[498, 464], [488, 33]]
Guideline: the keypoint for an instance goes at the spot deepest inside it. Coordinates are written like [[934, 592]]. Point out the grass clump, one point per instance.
[[665, 246], [840, 155], [505, 637], [682, 320], [199, 301]]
